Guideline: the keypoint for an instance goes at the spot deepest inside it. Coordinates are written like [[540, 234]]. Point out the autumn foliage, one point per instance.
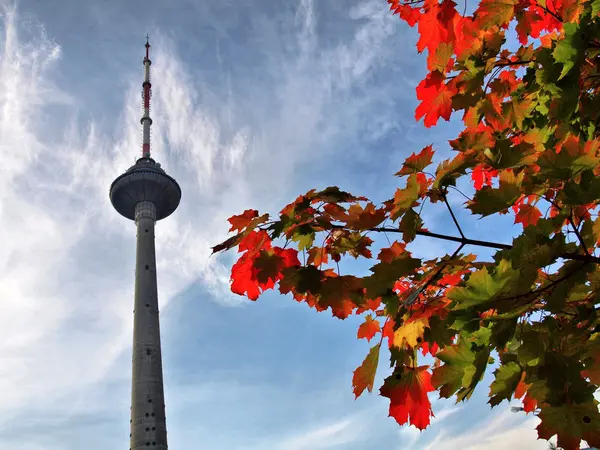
[[530, 146]]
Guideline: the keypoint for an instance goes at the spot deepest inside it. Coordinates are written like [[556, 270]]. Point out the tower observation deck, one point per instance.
[[145, 194]]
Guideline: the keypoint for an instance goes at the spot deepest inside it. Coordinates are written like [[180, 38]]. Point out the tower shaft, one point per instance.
[[146, 194], [148, 423]]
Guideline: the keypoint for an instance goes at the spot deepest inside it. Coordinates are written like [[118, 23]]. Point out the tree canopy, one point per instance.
[[530, 147]]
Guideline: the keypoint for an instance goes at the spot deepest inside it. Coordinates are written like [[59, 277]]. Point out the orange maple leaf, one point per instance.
[[407, 392], [392, 252], [363, 218], [368, 329], [241, 221], [417, 162], [364, 375], [528, 214]]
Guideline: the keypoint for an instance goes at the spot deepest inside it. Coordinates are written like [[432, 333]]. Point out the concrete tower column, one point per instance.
[[145, 194], [148, 423]]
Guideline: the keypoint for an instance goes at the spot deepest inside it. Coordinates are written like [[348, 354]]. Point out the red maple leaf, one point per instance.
[[406, 12], [483, 176], [241, 221], [388, 331], [426, 348], [255, 241], [368, 329], [436, 98], [260, 267], [243, 278], [407, 392], [451, 279]]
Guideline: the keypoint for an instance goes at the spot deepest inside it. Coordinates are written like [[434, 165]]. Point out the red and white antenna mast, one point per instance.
[[146, 93]]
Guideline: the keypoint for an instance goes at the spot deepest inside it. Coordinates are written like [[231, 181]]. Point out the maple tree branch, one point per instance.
[[514, 63], [454, 217], [556, 16], [413, 297], [488, 244], [493, 75], [578, 234]]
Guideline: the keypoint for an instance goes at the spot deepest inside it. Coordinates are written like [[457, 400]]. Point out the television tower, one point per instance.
[[145, 194]]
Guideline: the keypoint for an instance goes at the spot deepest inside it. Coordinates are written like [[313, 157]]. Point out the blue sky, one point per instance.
[[254, 103]]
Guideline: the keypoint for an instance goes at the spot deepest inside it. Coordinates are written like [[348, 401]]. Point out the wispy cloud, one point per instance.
[[504, 431]]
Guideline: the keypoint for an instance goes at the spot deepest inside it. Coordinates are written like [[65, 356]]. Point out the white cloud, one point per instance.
[[333, 435], [504, 431]]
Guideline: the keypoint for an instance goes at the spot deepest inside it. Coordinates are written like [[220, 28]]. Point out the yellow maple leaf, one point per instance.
[[409, 332]]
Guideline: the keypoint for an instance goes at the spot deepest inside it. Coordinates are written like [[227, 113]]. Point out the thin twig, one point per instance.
[[453, 217]]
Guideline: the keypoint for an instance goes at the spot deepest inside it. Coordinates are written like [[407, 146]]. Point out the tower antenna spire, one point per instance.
[[146, 94]]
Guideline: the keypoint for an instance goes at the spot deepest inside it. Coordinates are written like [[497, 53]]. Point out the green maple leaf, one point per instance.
[[505, 155], [410, 223], [503, 387], [304, 241], [595, 7], [582, 192], [267, 265], [483, 287], [571, 423], [386, 273], [405, 198], [301, 279], [569, 50], [463, 369], [488, 200]]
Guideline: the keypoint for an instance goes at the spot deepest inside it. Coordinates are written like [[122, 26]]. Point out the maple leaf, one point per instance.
[[489, 200], [368, 329], [410, 333], [528, 214], [360, 218], [386, 273], [243, 279], [318, 256], [483, 286], [481, 176], [462, 370], [241, 221], [431, 349], [407, 13], [495, 12], [269, 264], [407, 392], [416, 186], [571, 424], [364, 375], [410, 223], [570, 49], [507, 379], [436, 99], [388, 254], [436, 25], [417, 162]]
